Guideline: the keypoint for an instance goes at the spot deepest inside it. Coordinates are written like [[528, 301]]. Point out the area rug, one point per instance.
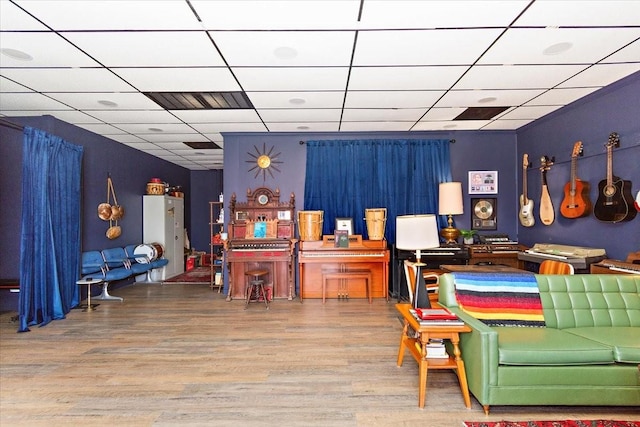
[[565, 423], [195, 275]]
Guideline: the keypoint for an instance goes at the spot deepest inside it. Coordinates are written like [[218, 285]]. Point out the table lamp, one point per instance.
[[415, 233], [450, 203]]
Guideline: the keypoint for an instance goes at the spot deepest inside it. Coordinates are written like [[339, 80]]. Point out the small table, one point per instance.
[[489, 268], [89, 282], [455, 362]]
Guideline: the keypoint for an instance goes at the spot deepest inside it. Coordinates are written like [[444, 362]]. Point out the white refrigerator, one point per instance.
[[163, 225]]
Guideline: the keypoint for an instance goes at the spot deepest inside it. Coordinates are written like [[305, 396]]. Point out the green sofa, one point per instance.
[[588, 353]]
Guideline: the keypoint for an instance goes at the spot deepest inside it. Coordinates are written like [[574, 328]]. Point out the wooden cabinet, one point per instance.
[[497, 255]]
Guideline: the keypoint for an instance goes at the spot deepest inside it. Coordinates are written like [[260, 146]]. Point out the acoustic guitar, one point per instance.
[[547, 215], [615, 203], [526, 204], [576, 201], [637, 202]]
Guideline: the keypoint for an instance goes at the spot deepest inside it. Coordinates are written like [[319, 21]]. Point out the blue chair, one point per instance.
[[118, 257], [142, 259], [93, 265]]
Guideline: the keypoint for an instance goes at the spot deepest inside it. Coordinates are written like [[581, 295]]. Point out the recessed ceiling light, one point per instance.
[[156, 130], [16, 54], [303, 128], [285, 52], [557, 48], [107, 103], [297, 101], [487, 99]]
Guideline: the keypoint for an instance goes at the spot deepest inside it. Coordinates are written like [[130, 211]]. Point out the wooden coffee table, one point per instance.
[[455, 362]]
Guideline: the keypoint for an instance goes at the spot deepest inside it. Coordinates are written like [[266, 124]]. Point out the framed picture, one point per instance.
[[483, 182], [345, 224], [241, 216], [284, 215], [484, 214]]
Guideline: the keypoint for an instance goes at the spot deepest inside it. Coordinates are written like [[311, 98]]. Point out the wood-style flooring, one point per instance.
[[180, 355]]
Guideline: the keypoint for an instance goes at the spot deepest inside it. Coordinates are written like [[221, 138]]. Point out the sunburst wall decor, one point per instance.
[[264, 162]]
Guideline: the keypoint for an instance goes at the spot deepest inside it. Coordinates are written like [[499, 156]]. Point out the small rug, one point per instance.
[[565, 423], [195, 275]]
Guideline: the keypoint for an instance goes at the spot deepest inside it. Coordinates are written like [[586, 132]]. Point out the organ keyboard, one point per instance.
[[580, 257], [316, 258], [612, 266]]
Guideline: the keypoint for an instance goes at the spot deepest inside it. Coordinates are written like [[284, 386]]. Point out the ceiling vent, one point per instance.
[[201, 100], [203, 145], [480, 113]]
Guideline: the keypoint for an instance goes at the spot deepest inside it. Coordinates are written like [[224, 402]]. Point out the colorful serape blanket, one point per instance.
[[500, 299]]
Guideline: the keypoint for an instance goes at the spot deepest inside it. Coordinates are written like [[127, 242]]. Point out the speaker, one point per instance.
[[484, 214]]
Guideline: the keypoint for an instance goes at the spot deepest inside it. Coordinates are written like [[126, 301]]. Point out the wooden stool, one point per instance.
[[255, 282]]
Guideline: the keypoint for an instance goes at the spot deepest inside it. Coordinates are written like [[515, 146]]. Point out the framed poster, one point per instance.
[[483, 182], [345, 224]]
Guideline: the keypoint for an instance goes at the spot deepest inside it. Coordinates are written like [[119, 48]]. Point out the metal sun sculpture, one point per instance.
[[264, 161]]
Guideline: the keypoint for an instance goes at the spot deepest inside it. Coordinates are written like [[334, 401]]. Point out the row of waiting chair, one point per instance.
[[116, 264]]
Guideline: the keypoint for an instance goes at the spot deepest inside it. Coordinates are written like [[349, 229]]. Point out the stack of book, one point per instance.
[[436, 350], [436, 317]]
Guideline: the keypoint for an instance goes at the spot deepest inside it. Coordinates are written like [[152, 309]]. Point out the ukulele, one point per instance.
[[546, 206], [576, 201], [526, 204], [614, 202]]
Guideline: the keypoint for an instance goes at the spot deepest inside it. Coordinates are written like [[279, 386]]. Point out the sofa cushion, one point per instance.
[[625, 341], [500, 299], [548, 346]]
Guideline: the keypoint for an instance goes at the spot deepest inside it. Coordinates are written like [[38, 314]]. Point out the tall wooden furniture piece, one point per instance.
[[261, 236], [318, 260], [163, 223], [216, 249]]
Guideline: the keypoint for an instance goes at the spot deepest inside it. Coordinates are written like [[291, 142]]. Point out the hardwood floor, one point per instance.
[[181, 355]]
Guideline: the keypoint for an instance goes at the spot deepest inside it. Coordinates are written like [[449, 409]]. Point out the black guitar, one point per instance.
[[615, 202]]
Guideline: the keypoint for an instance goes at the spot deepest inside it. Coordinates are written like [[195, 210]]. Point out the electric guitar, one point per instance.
[[576, 201], [615, 203], [526, 204], [547, 215]]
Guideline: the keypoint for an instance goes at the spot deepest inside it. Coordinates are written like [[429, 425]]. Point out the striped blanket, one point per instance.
[[500, 299]]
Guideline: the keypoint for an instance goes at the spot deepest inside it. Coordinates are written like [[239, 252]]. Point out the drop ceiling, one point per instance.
[[305, 65]]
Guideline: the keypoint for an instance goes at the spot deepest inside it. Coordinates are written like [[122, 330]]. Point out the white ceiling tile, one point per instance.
[[441, 114], [404, 78], [134, 116], [417, 47], [581, 13], [529, 113], [132, 141], [179, 79], [561, 96], [67, 79], [210, 128], [7, 85], [91, 101], [175, 143], [284, 48], [484, 98], [587, 45], [47, 50], [383, 114], [602, 75], [329, 99], [449, 126], [302, 114], [283, 14], [149, 49], [141, 129], [629, 53], [292, 79], [390, 99], [305, 127], [29, 102], [216, 116], [113, 15], [506, 124], [14, 18], [517, 76], [101, 129], [375, 126], [439, 14]]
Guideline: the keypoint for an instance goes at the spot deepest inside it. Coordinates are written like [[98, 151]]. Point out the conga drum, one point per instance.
[[310, 225], [376, 222], [147, 253]]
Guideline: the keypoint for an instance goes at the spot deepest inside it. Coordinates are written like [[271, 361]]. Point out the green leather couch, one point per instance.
[[588, 353]]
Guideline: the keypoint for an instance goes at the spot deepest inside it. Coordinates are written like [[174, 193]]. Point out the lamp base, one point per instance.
[[450, 235]]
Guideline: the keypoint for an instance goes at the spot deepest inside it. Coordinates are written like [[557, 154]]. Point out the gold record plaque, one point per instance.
[[483, 214]]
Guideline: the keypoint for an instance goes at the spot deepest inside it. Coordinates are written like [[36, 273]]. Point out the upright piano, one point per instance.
[[261, 235], [316, 258], [579, 257]]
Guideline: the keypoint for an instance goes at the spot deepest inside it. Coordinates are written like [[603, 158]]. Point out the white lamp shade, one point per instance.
[[450, 198], [415, 232]]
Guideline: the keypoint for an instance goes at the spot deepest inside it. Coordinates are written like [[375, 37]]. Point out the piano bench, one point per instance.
[[346, 275]]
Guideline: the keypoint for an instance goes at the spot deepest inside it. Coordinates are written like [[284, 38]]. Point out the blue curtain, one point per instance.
[[343, 178], [50, 237]]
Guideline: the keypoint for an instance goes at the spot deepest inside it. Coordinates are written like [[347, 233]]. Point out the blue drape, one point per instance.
[[50, 237], [345, 177]]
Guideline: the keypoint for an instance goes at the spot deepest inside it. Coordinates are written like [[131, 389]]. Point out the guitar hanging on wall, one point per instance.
[[576, 201], [526, 204], [547, 215], [615, 202]]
